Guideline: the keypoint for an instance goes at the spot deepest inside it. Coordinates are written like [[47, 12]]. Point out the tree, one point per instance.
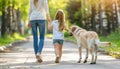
[[3, 24], [98, 15], [12, 13], [74, 12]]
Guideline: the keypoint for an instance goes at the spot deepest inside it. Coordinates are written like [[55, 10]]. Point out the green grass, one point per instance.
[[8, 39], [114, 38], [114, 49]]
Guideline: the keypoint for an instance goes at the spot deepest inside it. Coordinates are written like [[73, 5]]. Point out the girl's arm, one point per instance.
[[65, 28]]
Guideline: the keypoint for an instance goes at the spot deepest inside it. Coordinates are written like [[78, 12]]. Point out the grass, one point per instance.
[[7, 39], [114, 49]]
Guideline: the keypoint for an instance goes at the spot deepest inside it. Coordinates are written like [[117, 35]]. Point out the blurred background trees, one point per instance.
[[102, 16], [13, 14]]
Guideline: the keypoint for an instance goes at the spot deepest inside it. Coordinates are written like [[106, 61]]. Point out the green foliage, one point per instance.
[[66, 34], [114, 38], [54, 5], [8, 39], [23, 5], [74, 12]]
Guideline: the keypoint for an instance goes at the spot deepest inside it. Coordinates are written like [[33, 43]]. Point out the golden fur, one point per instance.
[[88, 40]]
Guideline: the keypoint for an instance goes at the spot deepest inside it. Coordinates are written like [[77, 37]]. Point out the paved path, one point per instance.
[[22, 57]]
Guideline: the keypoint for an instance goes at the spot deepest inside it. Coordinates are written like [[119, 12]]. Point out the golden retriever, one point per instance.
[[88, 40]]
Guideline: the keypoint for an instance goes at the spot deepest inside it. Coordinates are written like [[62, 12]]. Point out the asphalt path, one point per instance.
[[22, 57]]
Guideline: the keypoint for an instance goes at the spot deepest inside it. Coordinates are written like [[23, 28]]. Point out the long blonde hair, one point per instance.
[[61, 19], [35, 3]]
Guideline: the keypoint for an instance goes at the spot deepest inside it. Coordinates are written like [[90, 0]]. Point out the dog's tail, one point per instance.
[[99, 43]]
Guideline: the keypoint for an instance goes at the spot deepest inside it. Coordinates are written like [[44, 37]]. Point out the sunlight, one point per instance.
[[17, 36]]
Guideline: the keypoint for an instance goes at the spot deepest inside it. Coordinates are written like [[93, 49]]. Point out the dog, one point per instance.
[[88, 40]]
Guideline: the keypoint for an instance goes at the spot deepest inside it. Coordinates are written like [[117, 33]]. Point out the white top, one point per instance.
[[39, 12], [56, 33]]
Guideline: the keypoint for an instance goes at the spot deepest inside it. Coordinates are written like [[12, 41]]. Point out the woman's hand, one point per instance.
[[49, 22], [48, 18], [29, 26], [49, 26]]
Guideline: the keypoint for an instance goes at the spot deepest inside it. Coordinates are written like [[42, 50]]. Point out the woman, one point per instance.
[[58, 25], [38, 14]]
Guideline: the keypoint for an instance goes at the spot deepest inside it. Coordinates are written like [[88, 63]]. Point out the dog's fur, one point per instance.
[[88, 40]]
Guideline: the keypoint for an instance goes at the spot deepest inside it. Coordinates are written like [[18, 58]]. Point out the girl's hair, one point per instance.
[[35, 3], [61, 19]]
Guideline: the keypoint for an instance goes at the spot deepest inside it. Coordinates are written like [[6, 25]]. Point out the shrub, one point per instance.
[[66, 34]]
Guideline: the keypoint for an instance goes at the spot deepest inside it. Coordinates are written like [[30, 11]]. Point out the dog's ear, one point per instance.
[[73, 29]]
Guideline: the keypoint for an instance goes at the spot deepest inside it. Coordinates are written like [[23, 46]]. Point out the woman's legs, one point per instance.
[[35, 35], [41, 25], [38, 47]]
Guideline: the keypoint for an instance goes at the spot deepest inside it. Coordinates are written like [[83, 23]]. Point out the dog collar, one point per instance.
[[77, 30]]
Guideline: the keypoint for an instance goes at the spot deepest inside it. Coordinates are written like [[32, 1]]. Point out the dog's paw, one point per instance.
[[93, 63], [85, 61], [79, 62]]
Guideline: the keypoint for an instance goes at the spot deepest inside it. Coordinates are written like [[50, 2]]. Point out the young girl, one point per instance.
[[58, 25]]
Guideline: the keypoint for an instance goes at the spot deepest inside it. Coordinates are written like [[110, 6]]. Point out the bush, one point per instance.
[[114, 38], [66, 34]]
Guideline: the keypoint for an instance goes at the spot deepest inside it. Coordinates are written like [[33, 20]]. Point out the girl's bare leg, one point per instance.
[[58, 52]]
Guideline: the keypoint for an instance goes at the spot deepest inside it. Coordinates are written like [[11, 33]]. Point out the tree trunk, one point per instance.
[[19, 21], [100, 20], [116, 13], [93, 18], [3, 24], [10, 18]]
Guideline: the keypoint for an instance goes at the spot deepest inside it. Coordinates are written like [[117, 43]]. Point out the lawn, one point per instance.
[[7, 39]]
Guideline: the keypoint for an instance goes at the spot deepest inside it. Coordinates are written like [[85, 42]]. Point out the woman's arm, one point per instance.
[[50, 26], [47, 14], [30, 11], [48, 18]]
